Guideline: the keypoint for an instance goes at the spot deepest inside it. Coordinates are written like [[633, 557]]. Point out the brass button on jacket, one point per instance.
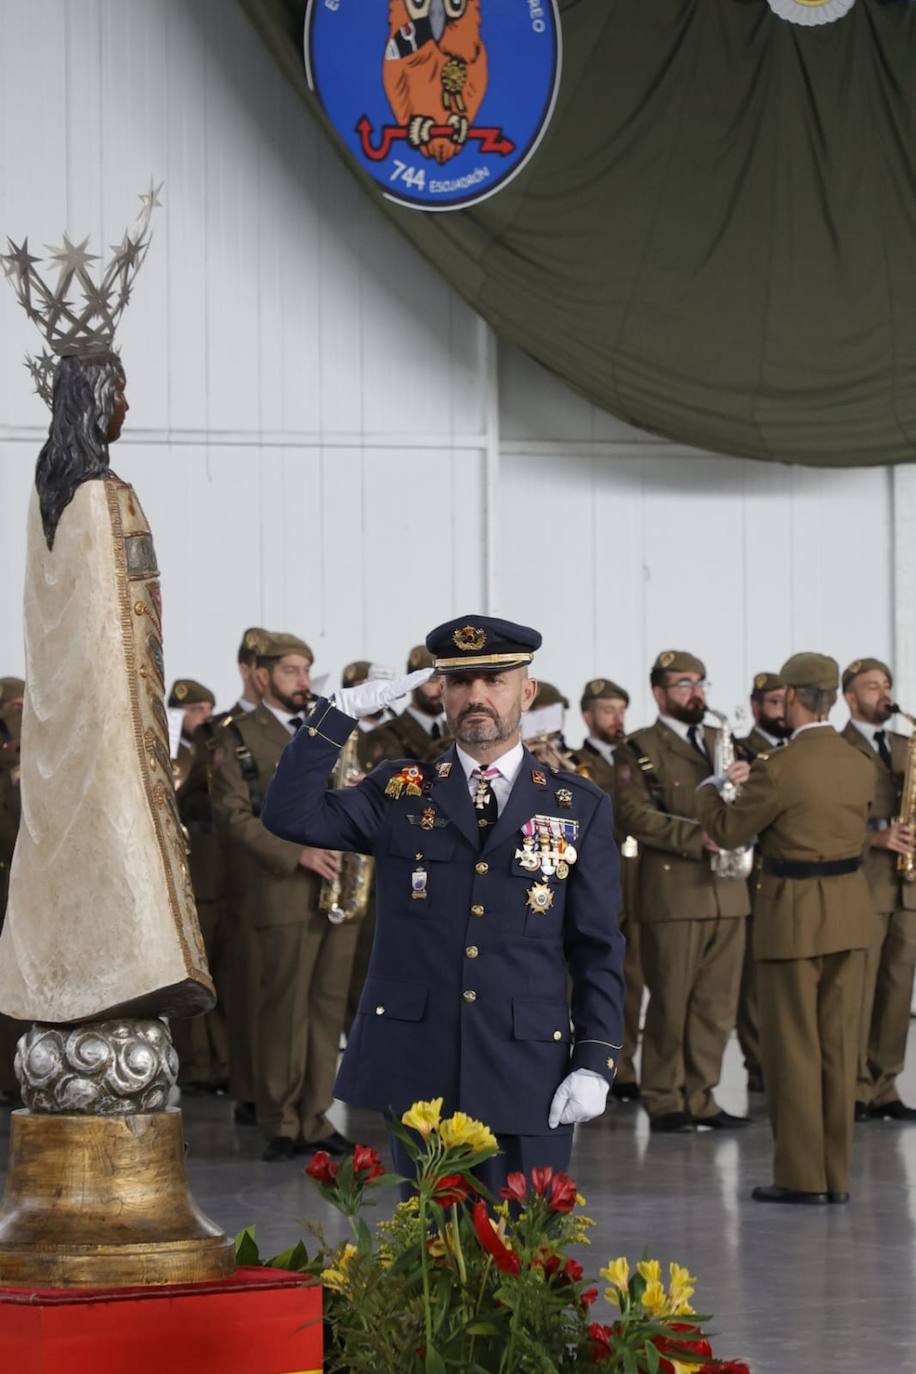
[[472, 951], [477, 910], [558, 1035], [481, 868], [470, 995], [380, 1011]]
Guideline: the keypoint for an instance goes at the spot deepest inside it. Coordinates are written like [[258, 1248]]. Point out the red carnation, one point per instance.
[[562, 1193], [516, 1189], [321, 1169], [573, 1270], [600, 1337], [506, 1261], [588, 1298], [667, 1346], [368, 1161], [452, 1188], [540, 1180]]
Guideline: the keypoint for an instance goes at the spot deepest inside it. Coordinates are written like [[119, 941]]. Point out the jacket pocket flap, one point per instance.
[[386, 997], [537, 1019]]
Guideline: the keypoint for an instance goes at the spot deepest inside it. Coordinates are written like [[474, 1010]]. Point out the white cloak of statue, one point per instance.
[[101, 916]]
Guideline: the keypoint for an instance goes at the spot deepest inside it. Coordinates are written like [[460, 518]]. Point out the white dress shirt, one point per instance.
[[247, 705], [773, 740], [427, 722], [509, 765], [284, 717], [865, 728], [813, 725], [605, 750], [680, 727]]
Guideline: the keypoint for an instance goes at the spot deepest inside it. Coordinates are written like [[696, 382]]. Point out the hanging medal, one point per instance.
[[418, 881]]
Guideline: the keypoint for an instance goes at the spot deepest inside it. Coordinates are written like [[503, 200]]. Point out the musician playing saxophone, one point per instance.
[[891, 960], [691, 918]]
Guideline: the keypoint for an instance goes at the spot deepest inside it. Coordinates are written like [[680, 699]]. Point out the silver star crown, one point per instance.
[[85, 325]]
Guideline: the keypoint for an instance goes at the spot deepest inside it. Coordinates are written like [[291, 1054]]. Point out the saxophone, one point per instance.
[[346, 897], [906, 863], [728, 863]]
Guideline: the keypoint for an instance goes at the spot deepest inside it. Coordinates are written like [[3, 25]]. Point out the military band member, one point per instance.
[[691, 920], [494, 876], [891, 960], [809, 805], [420, 732], [201, 1041], [768, 707], [12, 691], [247, 662], [300, 962], [604, 707]]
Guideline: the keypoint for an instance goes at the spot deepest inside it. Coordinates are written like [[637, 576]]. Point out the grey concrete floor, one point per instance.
[[794, 1290]]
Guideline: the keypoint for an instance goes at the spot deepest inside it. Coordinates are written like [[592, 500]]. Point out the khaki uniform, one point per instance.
[[602, 773], [10, 811], [300, 962], [691, 923], [202, 1041], [748, 1022], [808, 803], [890, 961]]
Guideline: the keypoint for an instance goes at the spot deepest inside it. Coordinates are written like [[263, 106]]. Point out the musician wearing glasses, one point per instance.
[[891, 960], [692, 919]]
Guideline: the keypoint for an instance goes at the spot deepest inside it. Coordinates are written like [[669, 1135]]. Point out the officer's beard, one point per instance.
[[691, 714], [486, 727], [880, 714], [777, 726], [606, 735], [295, 703]]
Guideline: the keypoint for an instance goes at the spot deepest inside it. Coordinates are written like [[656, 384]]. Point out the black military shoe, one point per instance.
[[862, 1112], [722, 1121], [771, 1192], [625, 1092], [278, 1149], [892, 1111], [334, 1144], [669, 1122], [837, 1197]]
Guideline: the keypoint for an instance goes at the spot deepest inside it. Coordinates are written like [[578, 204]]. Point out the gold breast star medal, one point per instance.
[[540, 898], [564, 797], [409, 780]]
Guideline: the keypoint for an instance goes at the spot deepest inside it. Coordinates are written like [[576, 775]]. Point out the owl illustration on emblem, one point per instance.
[[435, 72]]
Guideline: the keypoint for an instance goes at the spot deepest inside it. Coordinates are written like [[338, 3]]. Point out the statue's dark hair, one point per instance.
[[76, 449]]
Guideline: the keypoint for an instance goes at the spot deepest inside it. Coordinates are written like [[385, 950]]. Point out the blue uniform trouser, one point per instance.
[[519, 1154]]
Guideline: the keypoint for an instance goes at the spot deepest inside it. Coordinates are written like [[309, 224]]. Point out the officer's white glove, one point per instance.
[[373, 696], [580, 1097]]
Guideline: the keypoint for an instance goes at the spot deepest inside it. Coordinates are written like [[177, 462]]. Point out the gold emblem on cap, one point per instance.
[[760, 681], [181, 691], [252, 639], [855, 666], [666, 659], [470, 639], [595, 687]]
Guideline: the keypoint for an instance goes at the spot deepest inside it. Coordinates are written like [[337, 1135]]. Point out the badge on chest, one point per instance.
[[548, 847]]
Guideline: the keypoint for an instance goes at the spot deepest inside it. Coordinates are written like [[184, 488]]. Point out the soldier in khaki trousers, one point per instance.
[[890, 962], [604, 706], [809, 805], [768, 704], [12, 690], [303, 961], [691, 920]]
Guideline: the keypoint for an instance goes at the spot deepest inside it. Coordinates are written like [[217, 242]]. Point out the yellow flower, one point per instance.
[[618, 1272], [655, 1299], [681, 1288], [337, 1278], [462, 1129], [580, 1200], [650, 1270], [423, 1117]]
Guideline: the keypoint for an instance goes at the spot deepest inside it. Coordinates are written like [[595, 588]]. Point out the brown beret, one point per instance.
[[419, 657], [865, 665], [11, 688], [276, 644], [355, 672], [811, 670], [603, 689], [548, 695], [186, 692], [678, 661], [766, 682]]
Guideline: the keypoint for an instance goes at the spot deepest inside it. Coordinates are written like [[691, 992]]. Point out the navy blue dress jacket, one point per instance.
[[467, 990]]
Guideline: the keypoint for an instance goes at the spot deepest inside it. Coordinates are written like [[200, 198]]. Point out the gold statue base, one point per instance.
[[101, 1201]]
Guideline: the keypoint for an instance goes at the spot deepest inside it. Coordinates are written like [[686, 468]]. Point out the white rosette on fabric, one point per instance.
[[809, 12]]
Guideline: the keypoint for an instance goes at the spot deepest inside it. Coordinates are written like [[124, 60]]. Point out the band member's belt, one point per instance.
[[830, 868]]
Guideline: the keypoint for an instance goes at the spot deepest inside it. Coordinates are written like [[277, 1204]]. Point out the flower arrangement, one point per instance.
[[459, 1280]]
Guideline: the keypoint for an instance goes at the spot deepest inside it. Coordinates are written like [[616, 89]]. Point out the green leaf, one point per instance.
[[434, 1362], [363, 1238], [247, 1254], [389, 1181], [295, 1260], [482, 1329], [653, 1359]]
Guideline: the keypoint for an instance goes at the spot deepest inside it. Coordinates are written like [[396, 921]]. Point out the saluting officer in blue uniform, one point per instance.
[[495, 878]]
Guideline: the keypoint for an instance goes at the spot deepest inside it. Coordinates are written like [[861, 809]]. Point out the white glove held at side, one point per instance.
[[580, 1097], [371, 697]]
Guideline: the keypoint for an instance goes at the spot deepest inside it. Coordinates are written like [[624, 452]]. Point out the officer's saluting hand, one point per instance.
[[495, 877]]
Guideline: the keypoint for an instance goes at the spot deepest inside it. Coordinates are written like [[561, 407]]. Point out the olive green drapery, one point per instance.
[[717, 238]]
